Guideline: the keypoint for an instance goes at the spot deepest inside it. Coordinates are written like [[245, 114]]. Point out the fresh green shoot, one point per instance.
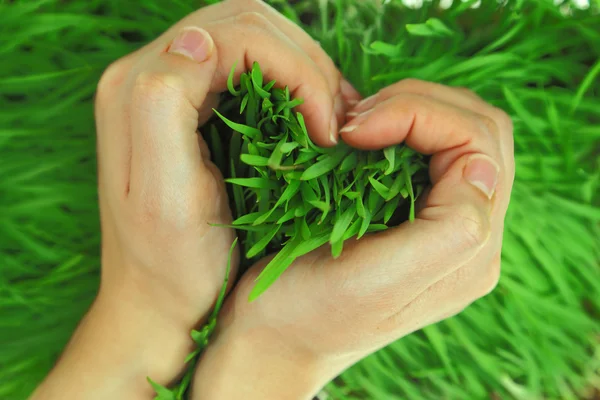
[[290, 195]]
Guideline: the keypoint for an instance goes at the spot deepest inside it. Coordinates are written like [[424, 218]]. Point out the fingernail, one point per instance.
[[333, 125], [482, 172], [367, 103], [356, 122], [348, 91], [193, 43]]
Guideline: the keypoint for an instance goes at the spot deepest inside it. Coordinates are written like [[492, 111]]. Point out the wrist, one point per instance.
[[155, 343], [261, 365], [115, 347], [144, 293]]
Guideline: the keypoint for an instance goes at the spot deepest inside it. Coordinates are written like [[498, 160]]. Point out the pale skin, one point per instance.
[[163, 264]]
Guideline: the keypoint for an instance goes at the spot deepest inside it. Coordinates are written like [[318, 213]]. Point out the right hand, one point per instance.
[[322, 315]]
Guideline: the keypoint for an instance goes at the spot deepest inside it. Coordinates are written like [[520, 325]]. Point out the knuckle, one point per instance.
[[505, 124], [490, 124], [410, 82], [472, 228], [111, 80], [253, 18], [404, 100], [251, 4], [150, 88], [157, 83], [466, 91]]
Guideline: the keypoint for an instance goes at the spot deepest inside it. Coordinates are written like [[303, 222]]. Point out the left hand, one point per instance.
[[158, 188], [162, 263]]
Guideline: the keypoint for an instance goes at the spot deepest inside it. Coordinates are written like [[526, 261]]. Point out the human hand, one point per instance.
[[162, 263], [323, 315], [158, 191]]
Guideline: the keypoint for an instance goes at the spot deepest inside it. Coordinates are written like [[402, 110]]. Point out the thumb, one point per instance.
[[197, 45], [447, 234], [455, 223], [460, 201], [169, 90]]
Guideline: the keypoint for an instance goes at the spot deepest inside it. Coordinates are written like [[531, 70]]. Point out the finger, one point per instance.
[[251, 36], [350, 95], [167, 92], [233, 8], [455, 225], [405, 260], [426, 125], [257, 39], [311, 47], [465, 98], [415, 112], [498, 122], [459, 97], [340, 89], [296, 34], [456, 96], [431, 126]]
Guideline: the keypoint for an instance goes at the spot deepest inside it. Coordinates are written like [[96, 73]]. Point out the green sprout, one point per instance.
[[292, 196]]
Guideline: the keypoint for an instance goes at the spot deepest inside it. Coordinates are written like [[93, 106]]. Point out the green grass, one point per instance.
[[290, 196], [536, 337]]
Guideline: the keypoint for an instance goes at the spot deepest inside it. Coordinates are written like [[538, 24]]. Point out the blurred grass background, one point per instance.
[[536, 337]]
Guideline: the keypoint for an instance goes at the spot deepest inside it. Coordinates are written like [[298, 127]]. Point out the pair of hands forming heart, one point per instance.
[[163, 264]]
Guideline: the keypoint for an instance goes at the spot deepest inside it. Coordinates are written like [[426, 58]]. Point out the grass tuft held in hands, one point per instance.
[[291, 195]]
